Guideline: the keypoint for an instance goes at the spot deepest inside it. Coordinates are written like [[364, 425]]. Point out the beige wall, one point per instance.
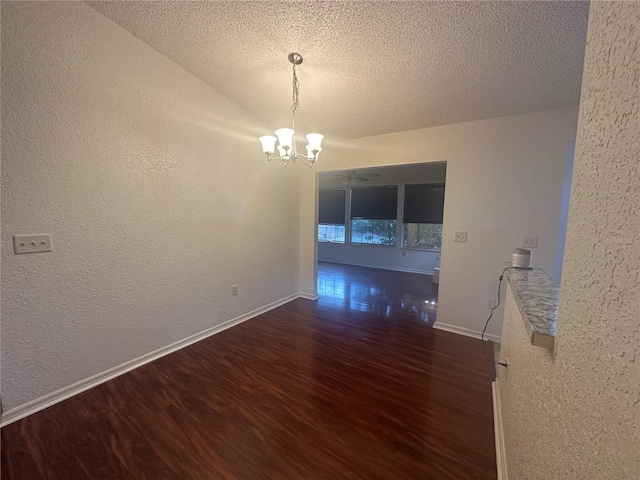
[[575, 413], [153, 187], [504, 181]]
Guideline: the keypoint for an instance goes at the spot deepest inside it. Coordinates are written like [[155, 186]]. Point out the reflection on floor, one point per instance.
[[356, 385], [380, 292]]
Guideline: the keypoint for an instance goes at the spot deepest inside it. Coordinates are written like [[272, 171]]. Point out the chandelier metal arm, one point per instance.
[[284, 158], [308, 161]]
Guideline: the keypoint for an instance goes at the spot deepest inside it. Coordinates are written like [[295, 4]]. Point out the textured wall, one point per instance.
[[532, 431], [575, 413], [153, 187], [504, 181]]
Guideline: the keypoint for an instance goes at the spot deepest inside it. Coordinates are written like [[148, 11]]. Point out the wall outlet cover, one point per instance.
[[32, 243], [530, 242], [460, 237]]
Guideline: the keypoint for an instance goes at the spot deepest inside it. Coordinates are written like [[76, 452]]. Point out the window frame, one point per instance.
[[401, 202]]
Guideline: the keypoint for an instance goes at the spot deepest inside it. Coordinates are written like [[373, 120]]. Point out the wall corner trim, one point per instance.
[[501, 457], [69, 391], [467, 332]]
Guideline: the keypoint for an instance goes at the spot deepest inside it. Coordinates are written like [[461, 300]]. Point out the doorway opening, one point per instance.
[[380, 237]]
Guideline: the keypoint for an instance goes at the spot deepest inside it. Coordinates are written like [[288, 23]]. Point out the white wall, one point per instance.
[[504, 181], [389, 258], [153, 187], [575, 412]]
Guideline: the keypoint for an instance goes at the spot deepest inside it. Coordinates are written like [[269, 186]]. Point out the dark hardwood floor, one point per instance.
[[384, 293], [356, 385]]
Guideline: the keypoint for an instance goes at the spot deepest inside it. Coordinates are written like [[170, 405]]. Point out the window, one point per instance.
[[422, 220], [422, 235], [373, 215], [331, 206]]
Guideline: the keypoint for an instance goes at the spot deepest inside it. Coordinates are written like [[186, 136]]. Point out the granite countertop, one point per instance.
[[537, 298]]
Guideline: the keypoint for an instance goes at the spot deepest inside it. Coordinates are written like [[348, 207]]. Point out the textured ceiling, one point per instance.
[[372, 67]]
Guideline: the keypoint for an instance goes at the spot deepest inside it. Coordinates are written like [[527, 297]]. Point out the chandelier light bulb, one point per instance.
[[310, 152], [315, 141], [285, 137], [268, 144]]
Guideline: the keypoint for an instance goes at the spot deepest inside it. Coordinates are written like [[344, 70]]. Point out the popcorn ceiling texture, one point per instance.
[[372, 67], [574, 413], [153, 187]]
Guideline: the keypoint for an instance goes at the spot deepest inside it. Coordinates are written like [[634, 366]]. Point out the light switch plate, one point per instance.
[[460, 237], [31, 243]]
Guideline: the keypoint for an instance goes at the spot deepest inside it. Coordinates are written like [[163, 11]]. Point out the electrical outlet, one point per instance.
[[530, 242], [31, 243], [234, 289], [460, 237], [491, 302]]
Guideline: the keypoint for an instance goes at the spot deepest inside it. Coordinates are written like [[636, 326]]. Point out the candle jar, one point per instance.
[[521, 258]]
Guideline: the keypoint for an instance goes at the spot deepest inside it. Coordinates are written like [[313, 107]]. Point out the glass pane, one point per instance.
[[422, 235], [374, 232], [330, 233]]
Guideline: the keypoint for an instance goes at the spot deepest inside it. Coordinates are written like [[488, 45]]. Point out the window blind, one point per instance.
[[423, 203], [331, 206], [374, 202]]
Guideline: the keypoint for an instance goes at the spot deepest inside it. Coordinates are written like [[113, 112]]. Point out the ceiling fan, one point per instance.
[[350, 177]]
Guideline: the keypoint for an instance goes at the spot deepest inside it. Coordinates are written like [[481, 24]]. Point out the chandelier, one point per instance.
[[285, 136]]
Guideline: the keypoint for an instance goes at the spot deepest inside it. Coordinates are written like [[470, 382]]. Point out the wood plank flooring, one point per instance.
[[356, 385]]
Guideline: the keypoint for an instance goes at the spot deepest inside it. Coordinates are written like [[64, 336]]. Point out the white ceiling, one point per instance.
[[372, 67]]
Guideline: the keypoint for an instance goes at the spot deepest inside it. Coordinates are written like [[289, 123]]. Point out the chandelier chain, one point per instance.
[[296, 90], [294, 106]]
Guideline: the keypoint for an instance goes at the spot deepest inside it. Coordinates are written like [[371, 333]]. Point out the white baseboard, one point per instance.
[[58, 396], [467, 332], [501, 458], [309, 296]]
